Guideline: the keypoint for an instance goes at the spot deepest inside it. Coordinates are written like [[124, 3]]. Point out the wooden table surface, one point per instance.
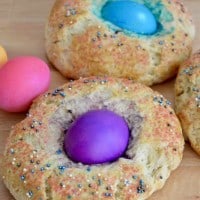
[[22, 33]]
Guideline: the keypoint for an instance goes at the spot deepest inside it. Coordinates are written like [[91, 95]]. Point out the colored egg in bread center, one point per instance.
[[96, 137], [130, 16]]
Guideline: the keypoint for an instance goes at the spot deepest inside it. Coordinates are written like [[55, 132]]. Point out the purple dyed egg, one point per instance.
[[96, 137]]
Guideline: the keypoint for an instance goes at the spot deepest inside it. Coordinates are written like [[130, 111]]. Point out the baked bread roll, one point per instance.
[[81, 43], [187, 99], [34, 165]]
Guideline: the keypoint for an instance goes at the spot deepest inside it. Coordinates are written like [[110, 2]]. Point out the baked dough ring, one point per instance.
[[80, 43], [187, 101], [34, 165]]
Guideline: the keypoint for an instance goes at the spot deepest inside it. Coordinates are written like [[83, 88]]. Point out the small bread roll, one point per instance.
[[35, 166], [187, 99], [81, 43]]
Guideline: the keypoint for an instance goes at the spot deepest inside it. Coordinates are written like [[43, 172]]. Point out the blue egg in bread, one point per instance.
[[130, 16]]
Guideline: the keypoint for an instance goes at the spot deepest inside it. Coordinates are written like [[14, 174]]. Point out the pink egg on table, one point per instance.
[[21, 80]]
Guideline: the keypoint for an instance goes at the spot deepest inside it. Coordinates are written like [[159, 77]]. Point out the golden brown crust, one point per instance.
[[80, 44], [187, 89], [34, 165]]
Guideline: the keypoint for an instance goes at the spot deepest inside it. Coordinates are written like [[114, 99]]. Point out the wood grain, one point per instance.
[[22, 33]]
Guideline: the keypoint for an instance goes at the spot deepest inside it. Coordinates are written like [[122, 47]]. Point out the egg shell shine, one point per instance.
[[21, 80]]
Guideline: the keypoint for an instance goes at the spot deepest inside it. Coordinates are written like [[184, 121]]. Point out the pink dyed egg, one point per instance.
[[21, 80]]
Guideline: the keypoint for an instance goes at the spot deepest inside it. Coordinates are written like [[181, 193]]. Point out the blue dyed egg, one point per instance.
[[96, 137], [130, 16]]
